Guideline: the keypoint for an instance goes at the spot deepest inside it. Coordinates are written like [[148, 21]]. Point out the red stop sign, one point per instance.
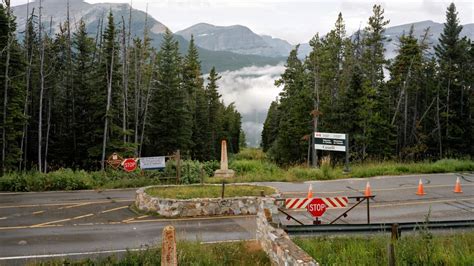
[[316, 207], [129, 164]]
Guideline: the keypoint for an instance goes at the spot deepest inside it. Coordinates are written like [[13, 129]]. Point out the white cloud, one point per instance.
[[252, 89]]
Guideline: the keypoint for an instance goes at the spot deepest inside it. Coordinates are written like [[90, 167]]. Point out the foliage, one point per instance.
[[208, 191], [445, 249], [90, 96], [423, 110], [189, 253]]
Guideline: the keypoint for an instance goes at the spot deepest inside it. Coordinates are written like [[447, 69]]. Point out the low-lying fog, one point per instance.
[[252, 89]]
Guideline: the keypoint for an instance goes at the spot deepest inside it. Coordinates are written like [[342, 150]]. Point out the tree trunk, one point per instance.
[[6, 85], [70, 85], [40, 111], [109, 99], [125, 83], [438, 123], [29, 59], [48, 127], [146, 106]]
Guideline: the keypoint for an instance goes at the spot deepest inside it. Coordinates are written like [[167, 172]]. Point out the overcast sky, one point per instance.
[[296, 21]]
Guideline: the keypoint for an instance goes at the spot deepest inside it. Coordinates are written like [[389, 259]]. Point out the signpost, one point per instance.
[[333, 142], [129, 164]]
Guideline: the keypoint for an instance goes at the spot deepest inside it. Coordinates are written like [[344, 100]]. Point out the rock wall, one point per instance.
[[174, 208], [276, 242]]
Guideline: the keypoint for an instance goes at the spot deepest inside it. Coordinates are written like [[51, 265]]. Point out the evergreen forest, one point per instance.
[[69, 99], [416, 106]]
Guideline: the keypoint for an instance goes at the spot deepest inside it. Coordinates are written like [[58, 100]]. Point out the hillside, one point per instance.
[[56, 12]]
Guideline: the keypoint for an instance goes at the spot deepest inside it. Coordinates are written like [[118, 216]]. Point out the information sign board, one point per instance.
[[150, 163]]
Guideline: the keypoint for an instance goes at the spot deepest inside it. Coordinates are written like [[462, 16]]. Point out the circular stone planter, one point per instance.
[[174, 208]]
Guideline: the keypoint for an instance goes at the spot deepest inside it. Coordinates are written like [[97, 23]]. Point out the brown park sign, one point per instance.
[[114, 160]]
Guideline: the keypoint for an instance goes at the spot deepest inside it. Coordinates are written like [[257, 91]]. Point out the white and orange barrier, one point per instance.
[[331, 202]]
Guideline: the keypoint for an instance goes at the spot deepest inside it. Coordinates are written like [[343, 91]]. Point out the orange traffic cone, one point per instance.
[[420, 191], [310, 191], [457, 187], [368, 191]]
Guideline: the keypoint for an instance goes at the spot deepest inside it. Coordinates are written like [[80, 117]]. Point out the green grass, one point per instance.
[[189, 253], [262, 170], [414, 249], [207, 191], [67, 179]]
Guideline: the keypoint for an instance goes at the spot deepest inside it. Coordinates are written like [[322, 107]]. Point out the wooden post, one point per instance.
[[202, 176], [223, 188], [168, 247], [391, 247], [178, 166]]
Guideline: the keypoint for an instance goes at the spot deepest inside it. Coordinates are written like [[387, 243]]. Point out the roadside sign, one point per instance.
[[150, 163], [330, 141], [316, 207], [115, 160], [129, 164]]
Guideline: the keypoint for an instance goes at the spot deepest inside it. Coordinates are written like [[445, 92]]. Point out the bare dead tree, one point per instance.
[[148, 96], [107, 109], [124, 82], [6, 83], [29, 60], [40, 111]]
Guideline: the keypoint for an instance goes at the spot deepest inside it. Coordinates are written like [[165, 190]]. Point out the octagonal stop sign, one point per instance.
[[129, 165], [316, 207]]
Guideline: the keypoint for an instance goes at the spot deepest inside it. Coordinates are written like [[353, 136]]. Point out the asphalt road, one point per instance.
[[84, 223]]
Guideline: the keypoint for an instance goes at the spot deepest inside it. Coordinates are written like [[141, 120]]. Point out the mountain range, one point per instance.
[[54, 12], [226, 47]]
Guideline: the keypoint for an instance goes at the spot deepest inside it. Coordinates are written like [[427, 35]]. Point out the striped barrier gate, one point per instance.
[[331, 202]]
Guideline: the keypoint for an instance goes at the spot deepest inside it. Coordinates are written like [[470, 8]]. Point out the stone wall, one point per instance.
[[174, 208], [276, 242]]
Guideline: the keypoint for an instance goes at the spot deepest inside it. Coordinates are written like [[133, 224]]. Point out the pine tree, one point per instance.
[[270, 126], [170, 127], [295, 106], [89, 99], [197, 105], [377, 131], [215, 109], [109, 69], [451, 54], [11, 91]]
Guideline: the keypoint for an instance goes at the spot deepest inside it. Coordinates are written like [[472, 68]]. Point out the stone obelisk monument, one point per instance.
[[224, 171]]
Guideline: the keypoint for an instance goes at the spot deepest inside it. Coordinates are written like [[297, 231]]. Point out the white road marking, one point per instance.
[[68, 254]]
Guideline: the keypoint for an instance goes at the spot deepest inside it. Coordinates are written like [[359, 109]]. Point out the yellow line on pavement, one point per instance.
[[38, 212], [52, 222], [82, 216], [61, 204], [191, 219], [128, 220], [3, 218], [28, 226], [62, 220], [114, 209], [74, 206]]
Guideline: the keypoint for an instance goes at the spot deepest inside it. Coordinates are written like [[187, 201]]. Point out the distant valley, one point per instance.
[[249, 62]]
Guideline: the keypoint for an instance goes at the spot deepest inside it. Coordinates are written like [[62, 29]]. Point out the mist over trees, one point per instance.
[[416, 106], [70, 99]]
